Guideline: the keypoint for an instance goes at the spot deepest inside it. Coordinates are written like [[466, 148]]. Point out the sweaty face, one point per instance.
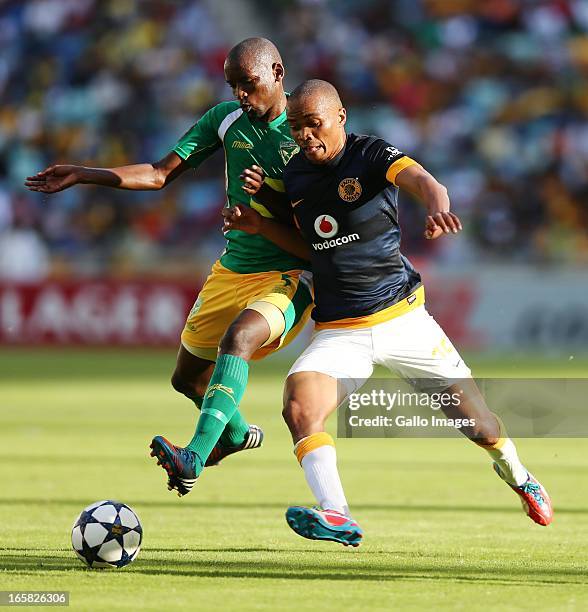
[[255, 87], [317, 128]]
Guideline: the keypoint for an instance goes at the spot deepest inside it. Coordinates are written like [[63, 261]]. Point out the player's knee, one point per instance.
[[484, 431], [299, 416], [292, 414], [239, 340]]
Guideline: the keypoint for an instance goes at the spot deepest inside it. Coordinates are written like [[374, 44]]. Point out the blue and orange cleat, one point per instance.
[[178, 462], [317, 524], [534, 499], [253, 439]]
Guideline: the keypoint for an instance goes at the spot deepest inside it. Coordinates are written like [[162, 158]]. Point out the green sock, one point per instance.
[[235, 429], [221, 401]]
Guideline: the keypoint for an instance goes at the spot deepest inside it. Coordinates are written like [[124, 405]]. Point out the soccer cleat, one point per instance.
[[534, 499], [178, 462], [317, 524], [253, 439]]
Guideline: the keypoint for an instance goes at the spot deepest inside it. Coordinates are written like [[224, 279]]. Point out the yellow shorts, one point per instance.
[[225, 294]]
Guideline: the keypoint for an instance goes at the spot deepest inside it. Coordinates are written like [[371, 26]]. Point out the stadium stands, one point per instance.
[[490, 96]]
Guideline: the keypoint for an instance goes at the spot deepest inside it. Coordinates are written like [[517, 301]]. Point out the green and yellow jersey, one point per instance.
[[246, 142]]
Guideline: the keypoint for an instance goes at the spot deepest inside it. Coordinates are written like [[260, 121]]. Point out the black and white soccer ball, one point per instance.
[[107, 534]]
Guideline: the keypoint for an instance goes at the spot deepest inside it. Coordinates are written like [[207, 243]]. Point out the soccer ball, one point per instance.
[[107, 534]]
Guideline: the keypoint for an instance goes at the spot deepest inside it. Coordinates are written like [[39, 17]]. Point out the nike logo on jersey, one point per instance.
[[294, 204]]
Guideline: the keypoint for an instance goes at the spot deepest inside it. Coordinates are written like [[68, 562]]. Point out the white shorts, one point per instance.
[[412, 345]]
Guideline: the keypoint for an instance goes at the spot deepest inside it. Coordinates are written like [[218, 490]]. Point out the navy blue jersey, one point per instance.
[[347, 211]]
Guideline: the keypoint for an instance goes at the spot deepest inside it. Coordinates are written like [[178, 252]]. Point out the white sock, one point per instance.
[[322, 476], [509, 463]]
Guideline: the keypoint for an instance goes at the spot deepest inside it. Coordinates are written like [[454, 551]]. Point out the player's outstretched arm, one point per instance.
[[426, 188], [248, 220], [137, 176]]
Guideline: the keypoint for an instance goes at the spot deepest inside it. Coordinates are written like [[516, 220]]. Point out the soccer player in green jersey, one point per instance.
[[256, 298]]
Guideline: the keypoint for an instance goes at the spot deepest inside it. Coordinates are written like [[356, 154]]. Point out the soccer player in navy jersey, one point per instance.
[[369, 303]]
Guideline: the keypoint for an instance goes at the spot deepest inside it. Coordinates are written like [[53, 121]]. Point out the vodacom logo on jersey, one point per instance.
[[327, 227]]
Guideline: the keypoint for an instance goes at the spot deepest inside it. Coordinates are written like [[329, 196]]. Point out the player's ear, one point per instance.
[[279, 71], [342, 116]]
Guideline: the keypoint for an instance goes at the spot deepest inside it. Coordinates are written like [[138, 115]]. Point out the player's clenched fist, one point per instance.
[[441, 223], [252, 179], [54, 179], [242, 218]]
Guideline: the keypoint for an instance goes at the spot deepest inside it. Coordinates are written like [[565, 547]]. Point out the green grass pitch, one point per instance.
[[441, 530]]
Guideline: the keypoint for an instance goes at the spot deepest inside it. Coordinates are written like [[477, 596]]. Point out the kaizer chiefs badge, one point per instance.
[[349, 189]]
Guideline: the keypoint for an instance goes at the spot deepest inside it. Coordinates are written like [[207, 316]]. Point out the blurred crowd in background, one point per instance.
[[490, 95]]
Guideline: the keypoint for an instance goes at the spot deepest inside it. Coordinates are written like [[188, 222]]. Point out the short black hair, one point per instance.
[[314, 87], [254, 51]]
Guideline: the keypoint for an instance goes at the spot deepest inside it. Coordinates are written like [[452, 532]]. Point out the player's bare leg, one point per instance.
[[248, 332], [489, 433], [309, 399], [192, 375], [486, 430]]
